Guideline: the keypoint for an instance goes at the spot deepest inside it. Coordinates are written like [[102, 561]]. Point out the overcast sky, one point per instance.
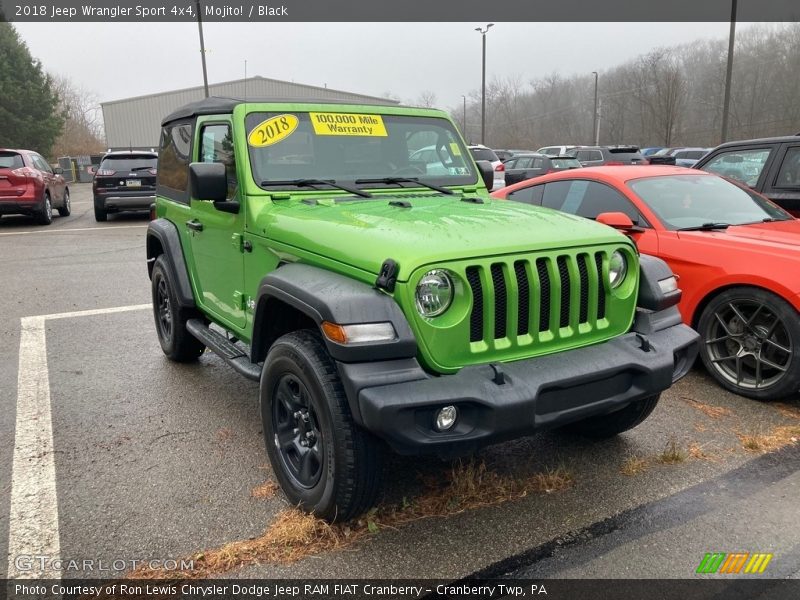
[[120, 60]]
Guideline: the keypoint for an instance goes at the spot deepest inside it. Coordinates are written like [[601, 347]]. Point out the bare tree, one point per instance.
[[82, 132]]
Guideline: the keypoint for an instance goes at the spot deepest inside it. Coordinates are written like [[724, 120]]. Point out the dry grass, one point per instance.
[[698, 452], [634, 465], [787, 410], [672, 453], [715, 412], [264, 491], [295, 535], [778, 438]]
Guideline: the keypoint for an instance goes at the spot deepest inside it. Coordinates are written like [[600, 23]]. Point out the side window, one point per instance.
[[600, 198], [528, 195], [789, 175], [511, 163], [41, 163], [216, 145], [537, 163], [742, 165], [555, 194], [173, 161], [588, 199]]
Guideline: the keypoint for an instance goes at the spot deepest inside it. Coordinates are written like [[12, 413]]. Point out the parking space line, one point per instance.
[[36, 231], [33, 515]]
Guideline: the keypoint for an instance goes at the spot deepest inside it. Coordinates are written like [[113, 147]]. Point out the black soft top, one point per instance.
[[218, 105]]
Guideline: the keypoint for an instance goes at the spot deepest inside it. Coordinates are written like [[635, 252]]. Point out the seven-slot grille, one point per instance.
[[551, 296]]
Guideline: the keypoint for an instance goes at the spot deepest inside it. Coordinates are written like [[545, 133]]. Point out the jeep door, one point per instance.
[[215, 235]]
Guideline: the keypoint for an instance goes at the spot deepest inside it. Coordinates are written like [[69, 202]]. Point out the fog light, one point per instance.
[[446, 418]]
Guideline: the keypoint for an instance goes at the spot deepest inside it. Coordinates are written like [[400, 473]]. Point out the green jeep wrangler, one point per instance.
[[381, 297]]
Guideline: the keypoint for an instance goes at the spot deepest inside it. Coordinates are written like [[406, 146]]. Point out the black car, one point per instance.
[[769, 165], [527, 166], [125, 180], [595, 156]]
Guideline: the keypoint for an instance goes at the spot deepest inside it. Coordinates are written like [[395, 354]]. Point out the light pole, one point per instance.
[[483, 81], [464, 117], [202, 46], [726, 102], [594, 119]]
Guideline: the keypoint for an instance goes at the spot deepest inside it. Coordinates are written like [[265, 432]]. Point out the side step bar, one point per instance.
[[227, 351]]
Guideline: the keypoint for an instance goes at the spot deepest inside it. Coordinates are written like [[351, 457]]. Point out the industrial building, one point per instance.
[[136, 122]]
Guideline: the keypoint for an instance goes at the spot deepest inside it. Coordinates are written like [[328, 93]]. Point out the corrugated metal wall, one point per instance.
[[136, 122]]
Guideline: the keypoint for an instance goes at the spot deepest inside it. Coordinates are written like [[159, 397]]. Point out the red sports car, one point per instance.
[[30, 186], [737, 256]]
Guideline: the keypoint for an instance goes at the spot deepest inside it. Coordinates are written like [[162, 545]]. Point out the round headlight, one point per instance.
[[617, 269], [434, 293]]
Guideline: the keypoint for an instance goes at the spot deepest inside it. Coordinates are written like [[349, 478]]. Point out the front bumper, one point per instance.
[[503, 401]]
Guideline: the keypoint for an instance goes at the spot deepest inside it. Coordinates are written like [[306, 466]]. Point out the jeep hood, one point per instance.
[[417, 230]]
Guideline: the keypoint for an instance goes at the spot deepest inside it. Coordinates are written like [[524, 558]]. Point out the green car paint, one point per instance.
[[353, 237]]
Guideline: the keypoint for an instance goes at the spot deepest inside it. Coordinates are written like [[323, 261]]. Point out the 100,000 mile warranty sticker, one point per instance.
[[348, 124]]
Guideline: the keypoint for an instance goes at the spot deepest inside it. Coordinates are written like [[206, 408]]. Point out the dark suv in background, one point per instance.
[[595, 156], [125, 180], [526, 166], [769, 165]]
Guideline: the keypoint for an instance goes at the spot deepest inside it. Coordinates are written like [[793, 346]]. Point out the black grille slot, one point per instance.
[[476, 318], [583, 271], [544, 294], [524, 294], [563, 274], [500, 300], [601, 287]]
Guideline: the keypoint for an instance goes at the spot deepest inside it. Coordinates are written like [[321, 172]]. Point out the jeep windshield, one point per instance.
[[355, 150]]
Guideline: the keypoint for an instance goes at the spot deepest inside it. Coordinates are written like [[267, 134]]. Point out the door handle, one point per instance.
[[194, 225]]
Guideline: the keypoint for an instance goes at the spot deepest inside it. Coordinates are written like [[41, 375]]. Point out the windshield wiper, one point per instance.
[[313, 182], [398, 180], [706, 227]]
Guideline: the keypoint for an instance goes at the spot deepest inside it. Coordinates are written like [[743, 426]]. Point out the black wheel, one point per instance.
[[100, 215], [606, 426], [176, 341], [749, 342], [323, 461], [66, 207], [45, 215]]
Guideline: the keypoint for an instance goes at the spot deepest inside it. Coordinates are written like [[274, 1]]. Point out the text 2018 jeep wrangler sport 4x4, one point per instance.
[[378, 299]]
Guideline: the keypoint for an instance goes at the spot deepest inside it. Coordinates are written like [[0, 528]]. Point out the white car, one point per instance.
[[480, 152], [555, 150]]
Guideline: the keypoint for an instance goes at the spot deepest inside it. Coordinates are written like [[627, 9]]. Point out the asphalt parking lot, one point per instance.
[[152, 460]]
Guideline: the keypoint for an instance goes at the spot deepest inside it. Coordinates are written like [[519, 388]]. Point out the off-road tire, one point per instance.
[[756, 338], [350, 460], [45, 215], [170, 317], [66, 207], [606, 426]]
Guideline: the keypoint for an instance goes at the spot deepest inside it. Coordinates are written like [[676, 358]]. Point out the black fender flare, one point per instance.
[[652, 270], [323, 295], [163, 233]]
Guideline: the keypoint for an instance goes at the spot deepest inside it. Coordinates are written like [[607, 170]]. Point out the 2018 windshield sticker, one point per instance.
[[272, 131], [348, 124]]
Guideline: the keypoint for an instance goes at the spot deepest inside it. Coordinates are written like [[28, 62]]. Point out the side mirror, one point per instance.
[[58, 171], [208, 181], [487, 173], [91, 170], [617, 220]]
